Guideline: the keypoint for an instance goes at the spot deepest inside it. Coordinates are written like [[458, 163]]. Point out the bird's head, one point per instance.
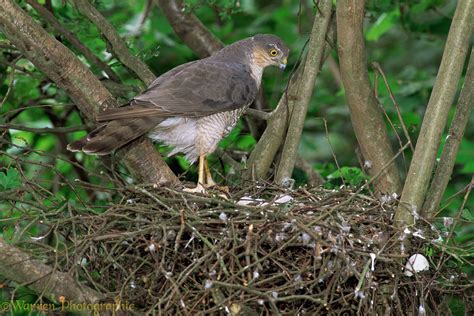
[[269, 50]]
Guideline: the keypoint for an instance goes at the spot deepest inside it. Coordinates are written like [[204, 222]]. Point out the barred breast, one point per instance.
[[196, 136], [211, 129]]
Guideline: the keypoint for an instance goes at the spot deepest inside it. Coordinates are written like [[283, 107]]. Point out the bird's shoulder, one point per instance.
[[201, 87]]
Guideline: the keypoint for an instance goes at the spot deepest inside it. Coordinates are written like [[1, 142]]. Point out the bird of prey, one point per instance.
[[193, 106]]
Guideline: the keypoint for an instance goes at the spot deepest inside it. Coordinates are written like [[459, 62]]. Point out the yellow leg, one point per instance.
[[209, 181], [201, 177]]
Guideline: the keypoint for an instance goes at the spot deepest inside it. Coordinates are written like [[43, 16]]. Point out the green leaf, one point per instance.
[[10, 179], [468, 215], [245, 142], [468, 168], [352, 175], [383, 24]]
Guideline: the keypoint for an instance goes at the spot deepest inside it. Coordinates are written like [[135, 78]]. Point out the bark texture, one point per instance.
[[450, 150], [366, 115], [17, 266], [304, 92], [71, 38], [118, 46], [84, 89], [264, 153], [434, 121], [188, 27]]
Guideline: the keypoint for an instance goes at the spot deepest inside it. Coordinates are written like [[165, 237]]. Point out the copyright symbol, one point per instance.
[[4, 306]]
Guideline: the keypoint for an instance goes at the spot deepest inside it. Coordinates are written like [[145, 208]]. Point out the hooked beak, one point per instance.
[[282, 65]]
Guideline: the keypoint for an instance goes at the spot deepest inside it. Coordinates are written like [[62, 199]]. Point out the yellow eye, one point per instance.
[[273, 52]]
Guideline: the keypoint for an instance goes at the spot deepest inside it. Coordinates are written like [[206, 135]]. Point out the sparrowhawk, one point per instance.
[[193, 106]]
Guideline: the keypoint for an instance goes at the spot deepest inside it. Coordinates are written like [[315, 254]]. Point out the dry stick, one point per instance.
[[53, 130], [145, 14], [445, 246], [11, 79], [118, 46], [17, 266], [448, 157], [250, 290], [366, 116], [314, 178], [305, 90], [379, 69], [332, 150], [374, 178], [84, 89], [444, 90], [71, 38], [258, 114]]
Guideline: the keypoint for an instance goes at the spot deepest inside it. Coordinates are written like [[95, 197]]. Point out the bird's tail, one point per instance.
[[113, 135]]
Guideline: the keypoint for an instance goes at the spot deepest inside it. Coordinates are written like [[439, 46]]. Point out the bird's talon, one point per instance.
[[210, 184], [198, 189]]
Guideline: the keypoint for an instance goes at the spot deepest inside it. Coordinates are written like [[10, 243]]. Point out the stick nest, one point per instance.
[[304, 251]]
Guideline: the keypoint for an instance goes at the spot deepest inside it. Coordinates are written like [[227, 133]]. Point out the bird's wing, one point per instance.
[[195, 89]]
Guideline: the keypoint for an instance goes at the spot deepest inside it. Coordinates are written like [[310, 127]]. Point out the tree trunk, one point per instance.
[[18, 267], [366, 115], [434, 121], [316, 45], [450, 150], [264, 153], [84, 89]]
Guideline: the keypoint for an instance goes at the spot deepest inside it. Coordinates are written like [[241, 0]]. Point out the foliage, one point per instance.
[[9, 179]]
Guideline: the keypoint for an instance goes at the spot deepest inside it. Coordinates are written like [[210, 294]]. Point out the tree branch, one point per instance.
[[20, 268], [434, 121], [305, 90], [118, 46], [188, 27], [314, 178], [366, 116], [71, 38], [448, 157], [40, 130], [258, 114], [263, 155], [85, 90]]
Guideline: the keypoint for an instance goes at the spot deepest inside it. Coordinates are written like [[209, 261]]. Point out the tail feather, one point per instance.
[[129, 112], [113, 135]]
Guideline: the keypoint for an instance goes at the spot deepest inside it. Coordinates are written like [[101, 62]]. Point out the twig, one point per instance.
[[71, 38], [39, 130], [258, 114], [314, 178], [326, 133], [17, 266], [118, 46], [70, 74], [379, 69], [11, 78]]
